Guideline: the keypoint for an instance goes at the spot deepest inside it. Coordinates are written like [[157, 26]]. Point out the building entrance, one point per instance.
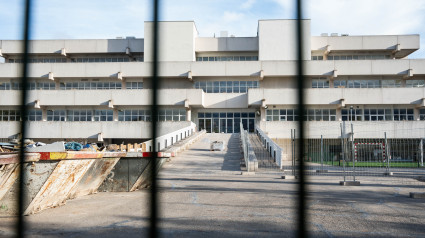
[[226, 122]]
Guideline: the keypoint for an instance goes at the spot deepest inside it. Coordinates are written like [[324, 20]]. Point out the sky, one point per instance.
[[100, 19]]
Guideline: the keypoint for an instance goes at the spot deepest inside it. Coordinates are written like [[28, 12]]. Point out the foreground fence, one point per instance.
[[354, 153]]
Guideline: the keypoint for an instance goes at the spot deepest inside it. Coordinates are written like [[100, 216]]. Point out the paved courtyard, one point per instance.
[[203, 195]]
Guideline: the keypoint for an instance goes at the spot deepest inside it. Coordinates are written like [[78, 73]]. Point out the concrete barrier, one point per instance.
[[52, 178], [184, 144], [55, 178]]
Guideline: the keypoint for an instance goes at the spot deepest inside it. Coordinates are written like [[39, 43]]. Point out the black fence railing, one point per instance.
[[154, 203]]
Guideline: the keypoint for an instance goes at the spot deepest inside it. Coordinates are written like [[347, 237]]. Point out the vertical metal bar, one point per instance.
[[20, 228], [321, 151], [153, 229], [352, 152], [342, 151], [302, 232], [422, 151], [387, 156]]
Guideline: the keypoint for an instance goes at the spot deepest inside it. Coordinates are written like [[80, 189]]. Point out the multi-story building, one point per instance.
[[86, 88]]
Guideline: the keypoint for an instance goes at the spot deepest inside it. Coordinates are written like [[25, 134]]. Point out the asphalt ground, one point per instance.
[[203, 194]]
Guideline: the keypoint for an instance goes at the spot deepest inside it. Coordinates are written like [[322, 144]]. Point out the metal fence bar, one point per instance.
[[20, 228], [352, 153], [301, 231], [153, 228]]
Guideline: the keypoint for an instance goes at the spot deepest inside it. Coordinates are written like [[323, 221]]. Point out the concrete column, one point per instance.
[[44, 114], [115, 115], [416, 114], [188, 114], [338, 114], [262, 114]]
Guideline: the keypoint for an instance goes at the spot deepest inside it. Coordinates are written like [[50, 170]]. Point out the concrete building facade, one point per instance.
[[102, 88]]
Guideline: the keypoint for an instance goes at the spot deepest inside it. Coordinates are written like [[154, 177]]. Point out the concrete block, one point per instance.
[[349, 183], [289, 177], [321, 171], [247, 173], [417, 195]]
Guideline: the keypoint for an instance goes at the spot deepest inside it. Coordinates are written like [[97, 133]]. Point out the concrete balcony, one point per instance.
[[333, 96], [332, 129], [217, 69], [91, 129], [406, 43], [167, 97]]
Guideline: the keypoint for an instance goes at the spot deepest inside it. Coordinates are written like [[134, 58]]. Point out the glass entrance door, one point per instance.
[[226, 122], [208, 125], [223, 125], [216, 127]]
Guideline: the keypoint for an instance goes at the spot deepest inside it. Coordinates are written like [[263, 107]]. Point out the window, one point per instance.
[[391, 83], [94, 85], [226, 86], [422, 114], [10, 115], [356, 57], [288, 115], [103, 115], [355, 114], [320, 83], [134, 85], [374, 83], [4, 86], [172, 115], [46, 86], [228, 58], [415, 83], [320, 115], [340, 83], [134, 115], [55, 115], [377, 115], [403, 114], [79, 115], [316, 57], [34, 115]]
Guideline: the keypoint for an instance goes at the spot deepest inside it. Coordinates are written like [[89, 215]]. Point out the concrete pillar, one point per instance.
[[262, 114], [338, 114], [44, 114], [115, 115], [188, 114], [416, 115]]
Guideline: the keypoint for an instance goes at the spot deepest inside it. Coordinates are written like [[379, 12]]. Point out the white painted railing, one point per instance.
[[274, 149], [251, 162], [171, 138]]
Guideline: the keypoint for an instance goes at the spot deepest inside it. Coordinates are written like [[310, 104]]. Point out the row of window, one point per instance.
[[371, 83], [352, 57], [78, 60], [107, 60], [226, 86], [292, 115], [381, 114], [226, 115], [228, 58], [402, 114], [95, 115], [73, 85]]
